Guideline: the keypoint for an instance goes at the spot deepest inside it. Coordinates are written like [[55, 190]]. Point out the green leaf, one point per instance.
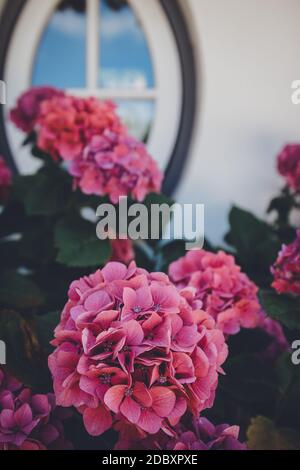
[[25, 358], [248, 234], [19, 291], [78, 245], [284, 308], [256, 245], [262, 434], [45, 193]]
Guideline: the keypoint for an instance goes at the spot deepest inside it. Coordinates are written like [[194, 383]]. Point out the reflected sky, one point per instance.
[[124, 56], [60, 57]]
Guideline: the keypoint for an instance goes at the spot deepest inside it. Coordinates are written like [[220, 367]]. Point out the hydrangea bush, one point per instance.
[[88, 134], [139, 345]]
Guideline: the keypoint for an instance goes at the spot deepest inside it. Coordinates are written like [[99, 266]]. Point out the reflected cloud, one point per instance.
[[126, 78], [69, 22], [122, 23]]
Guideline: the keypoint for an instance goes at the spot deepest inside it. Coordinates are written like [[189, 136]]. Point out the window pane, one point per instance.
[[137, 116], [60, 58], [124, 55]]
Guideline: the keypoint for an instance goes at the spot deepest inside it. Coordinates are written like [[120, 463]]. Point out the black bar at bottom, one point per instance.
[[138, 459]]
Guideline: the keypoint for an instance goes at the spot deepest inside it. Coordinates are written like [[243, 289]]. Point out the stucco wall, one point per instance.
[[248, 52]]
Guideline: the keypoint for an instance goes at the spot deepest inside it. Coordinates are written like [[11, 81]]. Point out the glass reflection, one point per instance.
[[138, 116], [125, 60], [60, 58]]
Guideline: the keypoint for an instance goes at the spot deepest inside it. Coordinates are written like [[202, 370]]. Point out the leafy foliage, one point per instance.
[[255, 242], [19, 291], [26, 357], [284, 308], [78, 245]]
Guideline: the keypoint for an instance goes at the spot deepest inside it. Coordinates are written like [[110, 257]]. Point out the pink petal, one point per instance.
[[40, 404], [131, 410], [97, 301], [178, 411], [144, 298], [88, 340], [134, 333], [188, 336], [114, 271], [142, 394], [7, 419], [97, 420], [114, 396], [23, 415], [163, 400], [149, 421], [129, 298], [106, 317]]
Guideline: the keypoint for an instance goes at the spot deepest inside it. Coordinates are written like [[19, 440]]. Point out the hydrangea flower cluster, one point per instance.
[[5, 179], [205, 436], [130, 349], [27, 110], [28, 421], [194, 434], [286, 270], [118, 165], [66, 124], [220, 287], [288, 164], [88, 134]]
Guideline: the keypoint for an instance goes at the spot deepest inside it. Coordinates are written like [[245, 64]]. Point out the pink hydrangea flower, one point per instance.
[[116, 165], [194, 434], [288, 164], [5, 179], [130, 349], [28, 421], [26, 112], [122, 250], [286, 270], [221, 289], [66, 124]]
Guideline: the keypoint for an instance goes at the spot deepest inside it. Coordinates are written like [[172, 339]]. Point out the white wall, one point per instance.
[[248, 53]]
